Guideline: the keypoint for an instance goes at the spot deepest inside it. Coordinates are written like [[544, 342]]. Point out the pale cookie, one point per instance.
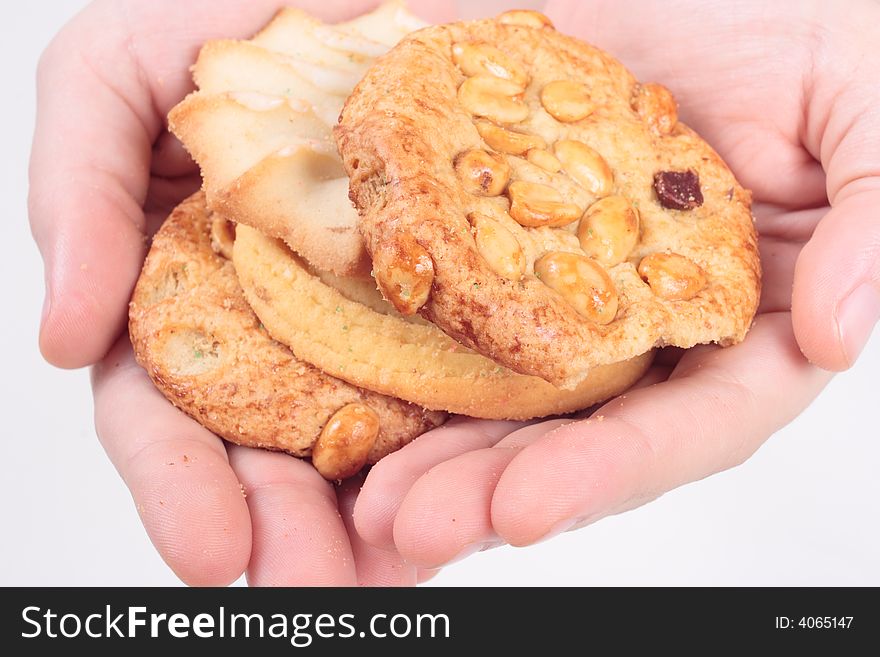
[[345, 328], [204, 348], [512, 181], [260, 128]]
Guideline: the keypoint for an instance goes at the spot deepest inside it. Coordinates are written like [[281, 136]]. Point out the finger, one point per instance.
[[88, 178], [299, 538], [187, 496], [391, 478], [375, 566], [444, 516], [836, 298], [717, 408]]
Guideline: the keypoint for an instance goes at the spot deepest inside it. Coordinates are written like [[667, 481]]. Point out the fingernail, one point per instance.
[[857, 315]]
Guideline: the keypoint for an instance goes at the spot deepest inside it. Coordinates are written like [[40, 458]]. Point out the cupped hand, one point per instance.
[[787, 94], [104, 174]]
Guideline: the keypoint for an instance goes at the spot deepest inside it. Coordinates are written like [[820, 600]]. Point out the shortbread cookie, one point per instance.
[[204, 348], [260, 128], [520, 189], [345, 328]]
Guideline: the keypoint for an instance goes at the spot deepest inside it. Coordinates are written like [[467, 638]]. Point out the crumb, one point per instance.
[[83, 267]]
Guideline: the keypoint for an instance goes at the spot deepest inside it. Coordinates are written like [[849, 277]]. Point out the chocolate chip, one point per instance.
[[678, 190]]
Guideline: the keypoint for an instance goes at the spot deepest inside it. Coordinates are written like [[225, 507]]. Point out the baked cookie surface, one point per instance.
[[521, 190], [203, 347]]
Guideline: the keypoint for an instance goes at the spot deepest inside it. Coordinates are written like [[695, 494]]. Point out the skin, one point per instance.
[[799, 130]]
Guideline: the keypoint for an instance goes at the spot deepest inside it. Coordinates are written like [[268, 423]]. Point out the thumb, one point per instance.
[[89, 173], [836, 297]]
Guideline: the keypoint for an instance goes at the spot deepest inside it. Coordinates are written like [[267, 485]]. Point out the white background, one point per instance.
[[805, 510]]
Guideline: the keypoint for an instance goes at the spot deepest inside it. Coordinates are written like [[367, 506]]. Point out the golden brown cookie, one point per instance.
[[260, 128], [204, 348], [520, 189], [344, 327]]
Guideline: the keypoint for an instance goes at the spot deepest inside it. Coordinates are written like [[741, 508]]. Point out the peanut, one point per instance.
[[222, 236], [534, 204], [482, 173], [583, 283], [609, 230], [486, 95], [672, 276], [508, 141], [586, 166], [525, 18], [342, 448], [544, 159], [404, 273], [567, 100], [498, 246], [483, 59], [656, 106]]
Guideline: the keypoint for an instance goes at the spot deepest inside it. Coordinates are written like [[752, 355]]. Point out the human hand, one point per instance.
[[787, 94], [104, 174]]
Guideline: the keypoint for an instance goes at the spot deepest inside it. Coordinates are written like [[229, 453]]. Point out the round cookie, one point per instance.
[[260, 128], [344, 327], [203, 347], [520, 189]]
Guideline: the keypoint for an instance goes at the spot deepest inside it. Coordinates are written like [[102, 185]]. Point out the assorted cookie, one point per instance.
[[526, 224], [524, 192]]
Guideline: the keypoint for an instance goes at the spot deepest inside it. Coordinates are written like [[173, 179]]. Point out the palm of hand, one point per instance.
[[472, 483]]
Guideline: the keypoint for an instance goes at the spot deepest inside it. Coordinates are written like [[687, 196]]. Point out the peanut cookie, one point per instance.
[[523, 191], [260, 128], [204, 348], [344, 327]]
